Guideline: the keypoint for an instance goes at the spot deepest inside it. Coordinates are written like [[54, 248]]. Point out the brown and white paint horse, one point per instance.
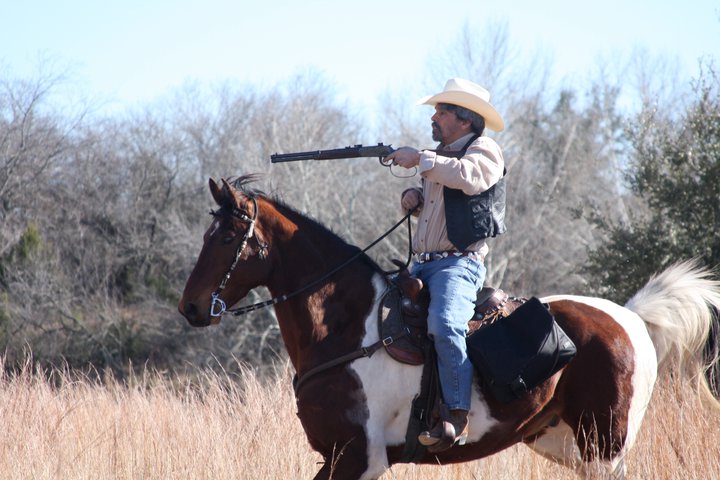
[[590, 411]]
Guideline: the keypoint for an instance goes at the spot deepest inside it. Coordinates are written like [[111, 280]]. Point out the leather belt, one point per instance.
[[423, 257]]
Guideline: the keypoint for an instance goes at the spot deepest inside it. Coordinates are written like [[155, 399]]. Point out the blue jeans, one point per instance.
[[453, 283]]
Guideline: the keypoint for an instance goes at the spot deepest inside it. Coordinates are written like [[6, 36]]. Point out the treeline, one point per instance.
[[102, 216]]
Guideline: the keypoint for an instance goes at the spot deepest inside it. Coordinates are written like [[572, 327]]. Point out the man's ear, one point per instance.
[[466, 123]]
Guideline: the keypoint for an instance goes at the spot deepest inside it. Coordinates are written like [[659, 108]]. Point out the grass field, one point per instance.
[[56, 426]]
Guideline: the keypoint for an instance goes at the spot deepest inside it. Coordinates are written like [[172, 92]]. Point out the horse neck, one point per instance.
[[328, 319]]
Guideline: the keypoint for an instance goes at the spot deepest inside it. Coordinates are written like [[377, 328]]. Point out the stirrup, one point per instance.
[[437, 441]]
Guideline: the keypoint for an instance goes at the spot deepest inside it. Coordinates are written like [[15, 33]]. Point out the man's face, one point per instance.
[[446, 126]]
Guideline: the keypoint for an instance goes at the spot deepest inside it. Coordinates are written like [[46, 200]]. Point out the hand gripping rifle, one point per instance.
[[380, 151]]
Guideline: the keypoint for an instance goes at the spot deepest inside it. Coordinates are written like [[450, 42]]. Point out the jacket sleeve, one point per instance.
[[480, 168]]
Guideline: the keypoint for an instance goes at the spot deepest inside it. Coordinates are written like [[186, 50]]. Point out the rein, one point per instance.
[[218, 307]]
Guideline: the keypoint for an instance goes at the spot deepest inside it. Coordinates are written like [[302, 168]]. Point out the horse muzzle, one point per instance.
[[197, 317]]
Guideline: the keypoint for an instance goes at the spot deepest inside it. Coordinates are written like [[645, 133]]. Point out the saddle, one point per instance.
[[405, 309]]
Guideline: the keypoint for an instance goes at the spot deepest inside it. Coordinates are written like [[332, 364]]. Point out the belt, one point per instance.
[[423, 257]]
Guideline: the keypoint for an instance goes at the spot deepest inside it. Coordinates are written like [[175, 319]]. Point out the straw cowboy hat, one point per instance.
[[472, 96]]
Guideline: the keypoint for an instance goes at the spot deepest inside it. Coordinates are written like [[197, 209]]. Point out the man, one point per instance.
[[461, 202]]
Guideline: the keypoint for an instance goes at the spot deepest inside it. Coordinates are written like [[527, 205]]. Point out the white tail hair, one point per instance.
[[679, 307]]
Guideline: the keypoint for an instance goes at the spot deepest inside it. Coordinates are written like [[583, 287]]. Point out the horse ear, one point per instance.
[[226, 188], [216, 192], [223, 193]]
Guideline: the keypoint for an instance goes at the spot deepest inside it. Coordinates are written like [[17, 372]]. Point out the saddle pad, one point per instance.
[[520, 351]]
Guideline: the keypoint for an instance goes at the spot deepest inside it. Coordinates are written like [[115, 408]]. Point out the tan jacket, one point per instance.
[[480, 168]]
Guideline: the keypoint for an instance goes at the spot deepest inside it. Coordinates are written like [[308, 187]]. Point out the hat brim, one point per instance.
[[493, 120]]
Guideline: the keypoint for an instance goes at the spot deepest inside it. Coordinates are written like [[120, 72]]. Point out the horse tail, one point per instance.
[[680, 309]]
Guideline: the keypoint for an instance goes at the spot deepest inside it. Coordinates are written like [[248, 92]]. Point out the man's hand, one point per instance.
[[411, 198], [406, 157]]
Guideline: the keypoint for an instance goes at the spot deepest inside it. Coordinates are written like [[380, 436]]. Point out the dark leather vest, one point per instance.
[[471, 218]]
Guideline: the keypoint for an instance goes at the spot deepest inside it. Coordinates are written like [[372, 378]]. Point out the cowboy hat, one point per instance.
[[472, 96]]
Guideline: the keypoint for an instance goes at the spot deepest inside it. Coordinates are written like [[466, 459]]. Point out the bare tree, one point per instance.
[[101, 218], [33, 139]]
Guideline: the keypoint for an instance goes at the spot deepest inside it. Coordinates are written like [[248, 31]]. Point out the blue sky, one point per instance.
[[133, 51]]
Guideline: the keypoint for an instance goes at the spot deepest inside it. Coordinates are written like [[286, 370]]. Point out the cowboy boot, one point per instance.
[[450, 430]]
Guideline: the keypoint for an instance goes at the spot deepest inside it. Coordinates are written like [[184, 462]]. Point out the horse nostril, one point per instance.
[[189, 310]]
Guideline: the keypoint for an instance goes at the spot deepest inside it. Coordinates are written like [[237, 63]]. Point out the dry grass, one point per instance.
[[218, 428]]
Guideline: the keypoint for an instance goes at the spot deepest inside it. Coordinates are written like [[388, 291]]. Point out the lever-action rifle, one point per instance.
[[380, 151]]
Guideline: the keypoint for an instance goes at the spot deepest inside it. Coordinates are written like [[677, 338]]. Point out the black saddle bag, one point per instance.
[[520, 351]]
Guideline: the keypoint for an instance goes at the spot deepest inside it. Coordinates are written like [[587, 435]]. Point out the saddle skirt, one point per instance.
[[403, 313]]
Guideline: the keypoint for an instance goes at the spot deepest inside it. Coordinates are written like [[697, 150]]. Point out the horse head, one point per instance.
[[233, 259]]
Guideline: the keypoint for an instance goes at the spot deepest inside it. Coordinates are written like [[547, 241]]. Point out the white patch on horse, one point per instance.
[[558, 444], [390, 387], [214, 227], [480, 421]]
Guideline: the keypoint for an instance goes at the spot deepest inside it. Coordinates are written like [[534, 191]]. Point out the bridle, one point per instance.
[[218, 307]]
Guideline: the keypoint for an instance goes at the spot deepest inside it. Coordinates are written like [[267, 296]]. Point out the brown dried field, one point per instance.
[[56, 426]]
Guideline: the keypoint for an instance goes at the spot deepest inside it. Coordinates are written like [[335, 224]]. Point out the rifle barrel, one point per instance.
[[378, 150], [293, 157]]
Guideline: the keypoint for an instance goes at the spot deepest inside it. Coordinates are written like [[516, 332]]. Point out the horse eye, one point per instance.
[[228, 238]]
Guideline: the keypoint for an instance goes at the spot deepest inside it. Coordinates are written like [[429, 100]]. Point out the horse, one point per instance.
[[354, 400]]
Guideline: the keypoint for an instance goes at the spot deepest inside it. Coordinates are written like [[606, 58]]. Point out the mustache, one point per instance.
[[437, 132]]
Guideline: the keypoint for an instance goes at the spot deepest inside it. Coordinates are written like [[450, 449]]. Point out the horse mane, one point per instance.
[[243, 184]]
